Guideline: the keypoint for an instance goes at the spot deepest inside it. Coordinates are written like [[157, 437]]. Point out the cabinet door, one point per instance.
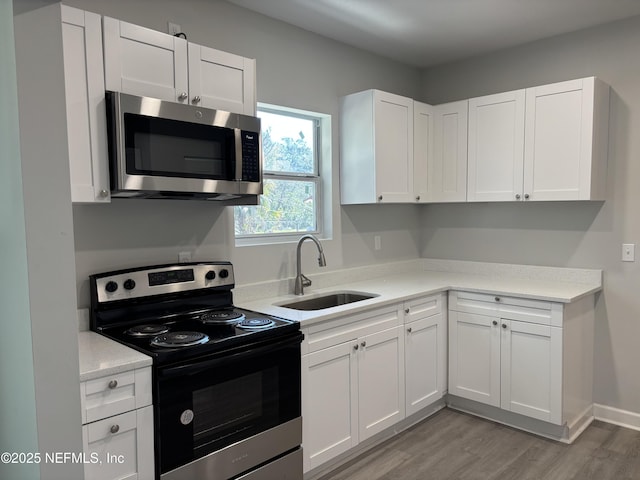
[[425, 362], [86, 115], [450, 152], [559, 141], [474, 357], [221, 80], [496, 147], [422, 151], [393, 137], [120, 447], [329, 403], [531, 359], [144, 62], [381, 381]]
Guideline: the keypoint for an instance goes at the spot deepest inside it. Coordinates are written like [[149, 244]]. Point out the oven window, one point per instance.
[[169, 148], [232, 406]]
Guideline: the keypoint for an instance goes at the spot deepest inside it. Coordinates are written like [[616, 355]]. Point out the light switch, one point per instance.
[[628, 252]]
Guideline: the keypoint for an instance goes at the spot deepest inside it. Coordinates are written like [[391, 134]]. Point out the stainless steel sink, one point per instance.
[[328, 300]]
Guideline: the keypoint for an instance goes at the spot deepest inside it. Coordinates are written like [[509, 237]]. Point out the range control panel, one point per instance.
[[137, 283]]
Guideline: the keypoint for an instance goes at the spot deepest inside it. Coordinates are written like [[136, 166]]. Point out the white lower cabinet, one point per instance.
[[352, 382], [527, 357], [117, 431], [362, 374], [425, 352]]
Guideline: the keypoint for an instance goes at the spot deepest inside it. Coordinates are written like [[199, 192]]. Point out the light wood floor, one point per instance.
[[454, 445]]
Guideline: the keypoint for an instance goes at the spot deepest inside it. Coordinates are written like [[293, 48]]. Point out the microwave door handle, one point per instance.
[[194, 369], [238, 147]]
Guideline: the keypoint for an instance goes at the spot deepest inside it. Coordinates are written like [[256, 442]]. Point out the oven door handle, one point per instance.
[[244, 353]]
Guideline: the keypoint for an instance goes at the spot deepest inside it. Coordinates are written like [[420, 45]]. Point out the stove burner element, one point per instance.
[[179, 339], [147, 330], [221, 317], [256, 323]]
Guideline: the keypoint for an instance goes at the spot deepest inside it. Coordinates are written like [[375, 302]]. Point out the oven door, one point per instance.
[[230, 413]]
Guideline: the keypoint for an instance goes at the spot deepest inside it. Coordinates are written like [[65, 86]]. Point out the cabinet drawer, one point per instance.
[[120, 447], [349, 327], [423, 307], [110, 395], [524, 309]]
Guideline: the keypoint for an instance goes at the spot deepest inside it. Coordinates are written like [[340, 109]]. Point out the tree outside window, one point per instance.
[[289, 204]]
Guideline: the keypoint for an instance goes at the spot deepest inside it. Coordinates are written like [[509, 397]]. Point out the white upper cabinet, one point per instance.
[[145, 62], [496, 147], [449, 179], [423, 120], [222, 80], [68, 57], [376, 148], [566, 140]]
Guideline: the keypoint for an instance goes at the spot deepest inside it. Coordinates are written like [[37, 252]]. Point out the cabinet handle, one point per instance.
[[379, 198], [113, 384], [418, 198], [356, 346], [104, 193], [495, 322], [497, 299], [517, 196], [526, 196], [406, 310], [182, 96], [196, 99], [115, 428], [504, 325], [363, 344], [409, 330]]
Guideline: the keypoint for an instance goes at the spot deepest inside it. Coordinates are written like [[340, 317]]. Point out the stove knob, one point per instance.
[[210, 275], [224, 273], [129, 284], [111, 286]]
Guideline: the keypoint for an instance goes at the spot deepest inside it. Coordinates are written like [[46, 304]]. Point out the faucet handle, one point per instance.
[[306, 282]]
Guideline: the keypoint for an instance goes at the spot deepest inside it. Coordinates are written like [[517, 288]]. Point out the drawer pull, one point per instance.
[[409, 330], [504, 325], [363, 344], [113, 384], [115, 428], [406, 310], [497, 299], [356, 346], [495, 322]]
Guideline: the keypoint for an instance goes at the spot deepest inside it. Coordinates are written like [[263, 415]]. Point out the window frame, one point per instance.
[[316, 178]]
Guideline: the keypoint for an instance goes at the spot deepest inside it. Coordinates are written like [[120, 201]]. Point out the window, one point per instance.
[[291, 201]]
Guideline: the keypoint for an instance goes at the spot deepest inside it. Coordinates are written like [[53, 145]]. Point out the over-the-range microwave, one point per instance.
[[161, 149]]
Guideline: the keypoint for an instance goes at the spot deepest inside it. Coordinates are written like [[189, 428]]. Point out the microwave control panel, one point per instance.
[[250, 156]]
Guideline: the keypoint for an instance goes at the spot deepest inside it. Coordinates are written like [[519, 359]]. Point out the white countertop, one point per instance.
[[406, 286], [101, 356]]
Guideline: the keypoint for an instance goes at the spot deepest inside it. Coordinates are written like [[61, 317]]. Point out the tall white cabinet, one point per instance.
[[145, 62], [449, 180]]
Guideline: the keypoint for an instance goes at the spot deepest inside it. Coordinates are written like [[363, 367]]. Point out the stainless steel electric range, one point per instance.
[[226, 381]]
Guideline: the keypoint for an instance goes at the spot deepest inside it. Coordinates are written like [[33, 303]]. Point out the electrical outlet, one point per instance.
[[184, 257], [628, 252], [174, 28], [377, 243]]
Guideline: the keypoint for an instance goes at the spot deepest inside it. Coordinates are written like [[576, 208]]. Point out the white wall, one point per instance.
[[581, 234], [18, 430], [295, 68]]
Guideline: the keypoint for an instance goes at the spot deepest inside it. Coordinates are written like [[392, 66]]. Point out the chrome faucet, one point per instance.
[[301, 280]]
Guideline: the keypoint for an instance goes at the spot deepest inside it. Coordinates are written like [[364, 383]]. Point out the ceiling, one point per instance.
[[429, 32]]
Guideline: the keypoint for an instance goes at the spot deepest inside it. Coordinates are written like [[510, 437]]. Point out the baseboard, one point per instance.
[[623, 418]]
